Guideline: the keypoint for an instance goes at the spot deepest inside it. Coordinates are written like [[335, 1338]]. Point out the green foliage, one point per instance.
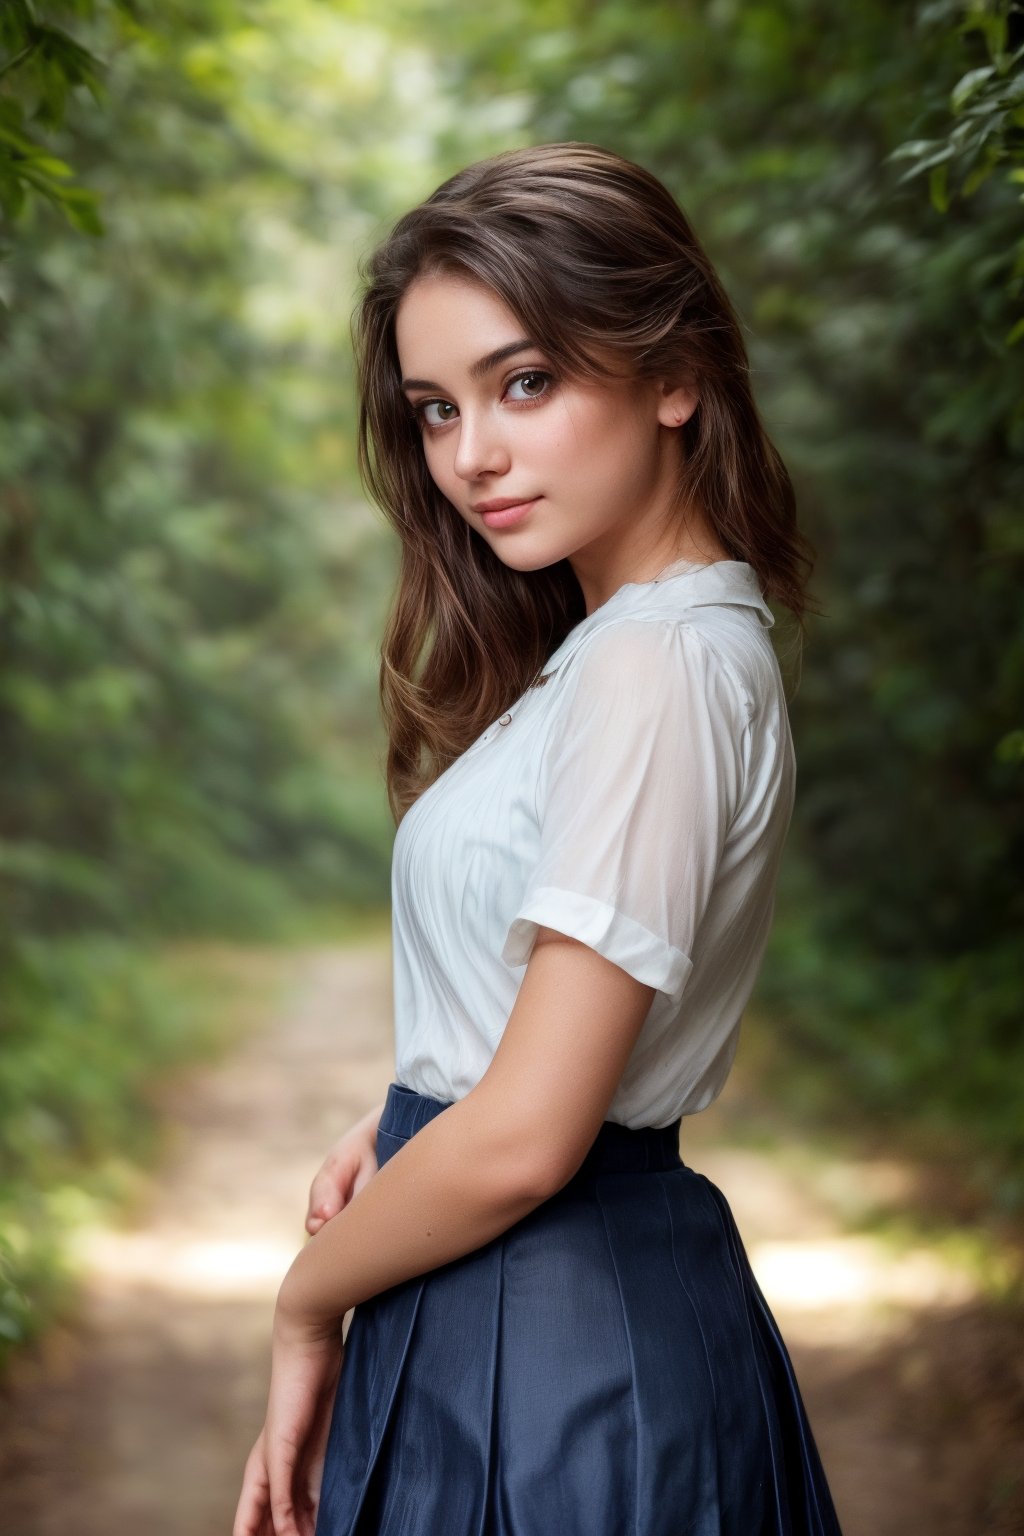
[[188, 697], [936, 1051], [191, 591], [41, 66], [986, 106], [86, 1025]]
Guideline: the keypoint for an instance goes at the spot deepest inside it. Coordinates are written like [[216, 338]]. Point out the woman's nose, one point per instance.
[[481, 447]]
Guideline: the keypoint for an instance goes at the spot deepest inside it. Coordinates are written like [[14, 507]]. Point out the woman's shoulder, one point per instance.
[[701, 647], [717, 608]]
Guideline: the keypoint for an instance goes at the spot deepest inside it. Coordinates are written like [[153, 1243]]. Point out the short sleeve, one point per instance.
[[640, 780]]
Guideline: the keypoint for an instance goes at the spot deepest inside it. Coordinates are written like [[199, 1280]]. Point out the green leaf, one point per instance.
[[18, 141], [992, 26], [926, 164], [968, 84], [49, 166], [1010, 748], [938, 188], [912, 148], [81, 208]]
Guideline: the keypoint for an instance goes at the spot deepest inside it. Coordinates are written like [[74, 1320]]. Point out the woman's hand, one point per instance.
[[350, 1164], [284, 1469], [283, 1473]]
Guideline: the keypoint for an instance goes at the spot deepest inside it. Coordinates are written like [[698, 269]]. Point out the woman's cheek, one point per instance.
[[439, 465]]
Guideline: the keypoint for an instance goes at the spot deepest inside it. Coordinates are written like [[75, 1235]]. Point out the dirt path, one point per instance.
[[139, 1418]]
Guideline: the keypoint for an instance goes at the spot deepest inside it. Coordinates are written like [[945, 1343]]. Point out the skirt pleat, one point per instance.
[[608, 1366]]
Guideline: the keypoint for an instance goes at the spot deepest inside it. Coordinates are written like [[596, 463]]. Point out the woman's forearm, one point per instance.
[[451, 1188]]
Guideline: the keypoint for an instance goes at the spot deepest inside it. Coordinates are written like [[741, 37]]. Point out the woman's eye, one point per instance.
[[524, 388], [533, 384], [445, 412]]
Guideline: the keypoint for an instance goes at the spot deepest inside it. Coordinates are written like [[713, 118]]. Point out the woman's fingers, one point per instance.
[[252, 1515], [292, 1502], [328, 1193], [339, 1181], [349, 1165]]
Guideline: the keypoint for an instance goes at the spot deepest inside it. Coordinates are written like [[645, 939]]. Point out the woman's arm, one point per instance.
[[494, 1155], [467, 1176]]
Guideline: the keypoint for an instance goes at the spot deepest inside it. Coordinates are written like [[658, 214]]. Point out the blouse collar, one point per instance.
[[689, 585]]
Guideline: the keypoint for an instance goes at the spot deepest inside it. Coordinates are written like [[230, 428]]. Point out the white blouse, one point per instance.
[[639, 801]]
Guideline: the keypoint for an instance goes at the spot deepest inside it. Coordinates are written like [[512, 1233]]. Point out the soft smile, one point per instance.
[[503, 512]]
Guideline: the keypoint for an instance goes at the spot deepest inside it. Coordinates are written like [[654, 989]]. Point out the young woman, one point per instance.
[[556, 1330]]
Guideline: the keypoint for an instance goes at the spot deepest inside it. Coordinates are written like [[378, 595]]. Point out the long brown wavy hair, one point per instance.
[[589, 251]]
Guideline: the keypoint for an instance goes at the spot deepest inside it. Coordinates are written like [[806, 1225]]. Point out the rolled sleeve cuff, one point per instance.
[[642, 954]]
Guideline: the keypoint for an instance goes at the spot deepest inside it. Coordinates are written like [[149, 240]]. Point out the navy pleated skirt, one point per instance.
[[606, 1367]]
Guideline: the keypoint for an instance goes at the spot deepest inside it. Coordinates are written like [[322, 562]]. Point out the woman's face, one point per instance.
[[581, 470]]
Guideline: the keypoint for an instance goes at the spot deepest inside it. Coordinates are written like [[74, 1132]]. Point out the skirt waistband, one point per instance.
[[616, 1148]]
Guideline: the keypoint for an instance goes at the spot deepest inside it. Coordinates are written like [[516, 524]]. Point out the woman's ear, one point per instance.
[[676, 403]]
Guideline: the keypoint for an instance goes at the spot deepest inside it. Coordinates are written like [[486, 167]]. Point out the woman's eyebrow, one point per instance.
[[480, 367]]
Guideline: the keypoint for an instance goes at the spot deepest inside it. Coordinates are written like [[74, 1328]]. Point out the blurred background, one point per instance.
[[194, 836]]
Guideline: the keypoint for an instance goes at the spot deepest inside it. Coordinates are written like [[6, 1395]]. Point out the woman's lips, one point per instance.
[[509, 515]]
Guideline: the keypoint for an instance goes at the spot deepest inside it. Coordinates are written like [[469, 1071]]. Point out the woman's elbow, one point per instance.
[[536, 1164]]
